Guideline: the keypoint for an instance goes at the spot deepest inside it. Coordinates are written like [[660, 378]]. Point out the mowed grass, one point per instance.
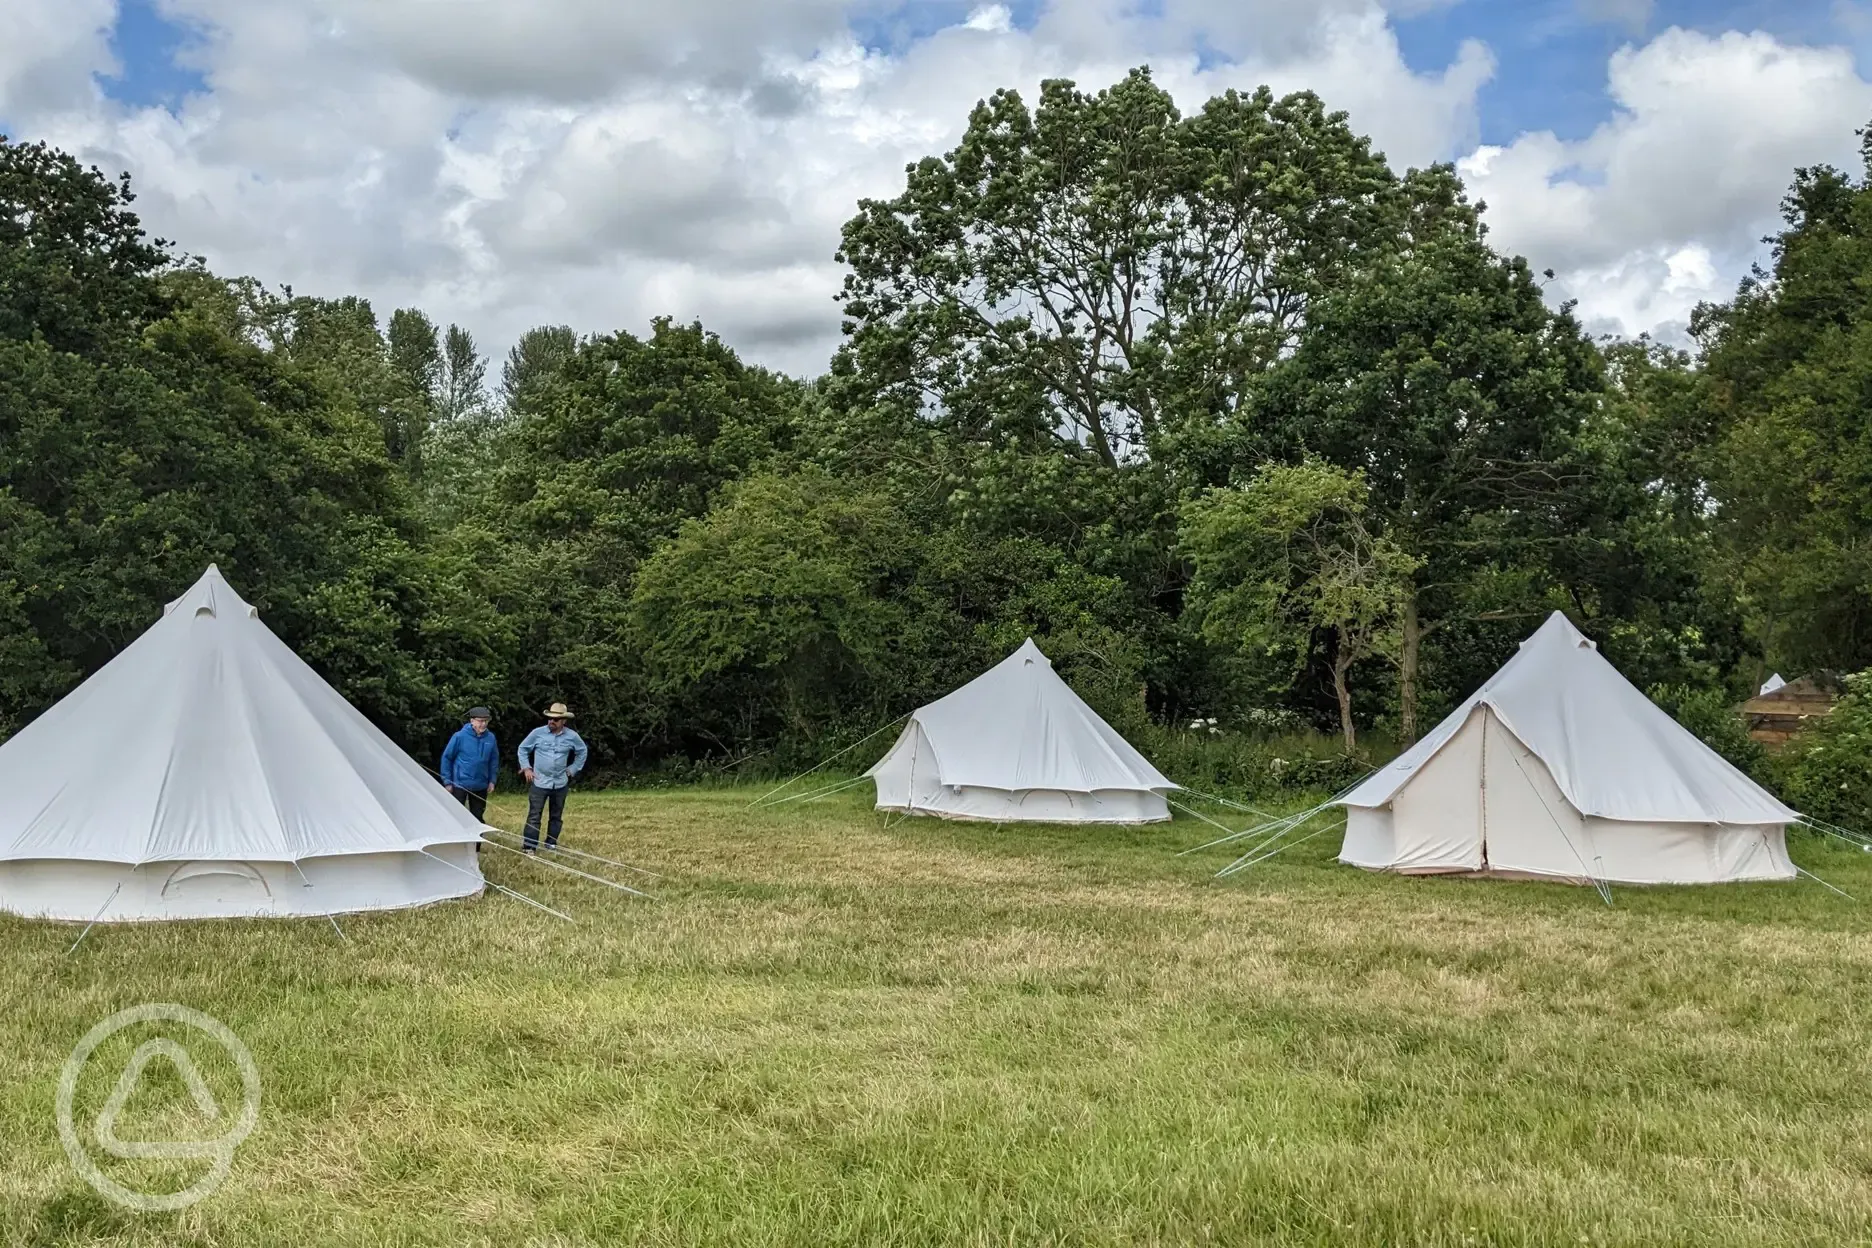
[[829, 1031]]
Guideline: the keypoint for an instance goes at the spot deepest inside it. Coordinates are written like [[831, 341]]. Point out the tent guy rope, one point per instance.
[[560, 866], [823, 762], [558, 914]]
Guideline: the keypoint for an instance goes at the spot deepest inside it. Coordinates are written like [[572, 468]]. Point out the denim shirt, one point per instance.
[[555, 757]]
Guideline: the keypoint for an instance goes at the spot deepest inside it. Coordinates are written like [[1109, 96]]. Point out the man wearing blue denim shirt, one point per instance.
[[549, 758]]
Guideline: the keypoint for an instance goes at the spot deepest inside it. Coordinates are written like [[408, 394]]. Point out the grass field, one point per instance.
[[826, 1031]]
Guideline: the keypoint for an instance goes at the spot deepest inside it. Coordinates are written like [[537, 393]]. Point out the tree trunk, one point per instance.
[[1412, 642], [1339, 669]]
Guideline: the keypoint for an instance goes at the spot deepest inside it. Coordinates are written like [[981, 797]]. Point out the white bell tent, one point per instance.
[[1558, 768], [207, 772], [1016, 744]]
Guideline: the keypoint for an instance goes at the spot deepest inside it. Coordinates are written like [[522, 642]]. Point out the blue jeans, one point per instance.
[[554, 800]]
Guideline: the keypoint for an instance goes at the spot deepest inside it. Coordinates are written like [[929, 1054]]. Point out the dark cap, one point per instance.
[[480, 712]]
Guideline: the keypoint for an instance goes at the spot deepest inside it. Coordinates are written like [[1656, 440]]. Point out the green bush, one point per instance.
[[1826, 772], [1253, 765]]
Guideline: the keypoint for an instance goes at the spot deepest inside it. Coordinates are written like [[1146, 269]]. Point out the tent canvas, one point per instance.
[[207, 771], [1558, 768], [1016, 744]]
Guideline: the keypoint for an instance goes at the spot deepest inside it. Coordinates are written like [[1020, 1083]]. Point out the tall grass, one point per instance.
[[829, 1031]]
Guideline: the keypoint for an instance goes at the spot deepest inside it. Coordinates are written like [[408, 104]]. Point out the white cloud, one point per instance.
[[581, 49], [1664, 205], [600, 162], [604, 161], [1416, 119], [49, 52], [994, 18]]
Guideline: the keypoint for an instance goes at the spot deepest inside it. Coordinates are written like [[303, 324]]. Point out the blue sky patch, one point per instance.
[[892, 26], [1551, 55], [151, 52]]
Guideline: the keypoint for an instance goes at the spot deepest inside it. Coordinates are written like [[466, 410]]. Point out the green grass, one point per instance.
[[826, 1031]]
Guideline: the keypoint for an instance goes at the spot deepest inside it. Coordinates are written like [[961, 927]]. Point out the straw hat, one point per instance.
[[558, 710]]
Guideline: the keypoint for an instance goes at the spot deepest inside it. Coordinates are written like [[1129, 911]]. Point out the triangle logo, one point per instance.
[[127, 1083]]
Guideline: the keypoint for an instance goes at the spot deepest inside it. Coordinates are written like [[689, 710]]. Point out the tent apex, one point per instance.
[[1557, 625]]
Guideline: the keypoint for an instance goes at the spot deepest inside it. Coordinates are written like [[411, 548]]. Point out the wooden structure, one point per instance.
[[1774, 718]]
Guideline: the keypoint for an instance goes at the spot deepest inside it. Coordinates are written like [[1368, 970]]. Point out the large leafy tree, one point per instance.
[[1094, 272], [1291, 552], [1639, 561], [635, 435], [75, 266], [776, 603], [1789, 381], [612, 448], [1078, 299], [1439, 373], [533, 363], [145, 432]]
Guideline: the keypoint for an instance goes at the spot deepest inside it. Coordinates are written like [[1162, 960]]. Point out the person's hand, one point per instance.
[[526, 773], [449, 787], [490, 790]]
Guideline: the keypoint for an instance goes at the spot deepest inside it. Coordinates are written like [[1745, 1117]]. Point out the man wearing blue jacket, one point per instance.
[[471, 762], [549, 758]]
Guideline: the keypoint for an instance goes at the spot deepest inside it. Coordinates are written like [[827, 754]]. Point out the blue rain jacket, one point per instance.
[[469, 761]]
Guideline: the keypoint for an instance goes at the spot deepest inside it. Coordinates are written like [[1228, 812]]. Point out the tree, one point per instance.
[[1640, 563], [1096, 272], [461, 387], [533, 362], [415, 357], [76, 269], [1290, 552], [1078, 298], [337, 345], [465, 445], [1789, 369], [776, 600], [600, 466], [159, 435], [640, 433], [1441, 375], [130, 474]]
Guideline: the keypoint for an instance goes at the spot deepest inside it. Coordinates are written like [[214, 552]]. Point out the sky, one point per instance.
[[601, 162]]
